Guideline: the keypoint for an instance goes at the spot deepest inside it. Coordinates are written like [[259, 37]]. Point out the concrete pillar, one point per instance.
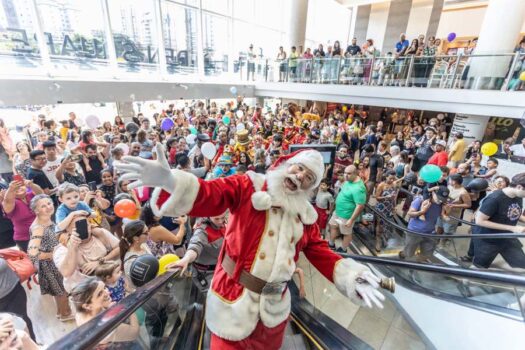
[[297, 13], [499, 34], [125, 110]]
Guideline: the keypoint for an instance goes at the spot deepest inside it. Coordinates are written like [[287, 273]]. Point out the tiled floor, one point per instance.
[[381, 329]]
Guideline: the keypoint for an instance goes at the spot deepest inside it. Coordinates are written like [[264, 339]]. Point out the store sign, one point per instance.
[[78, 46], [499, 129], [471, 126]]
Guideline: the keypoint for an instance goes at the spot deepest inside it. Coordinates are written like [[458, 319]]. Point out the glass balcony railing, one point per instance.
[[481, 72]]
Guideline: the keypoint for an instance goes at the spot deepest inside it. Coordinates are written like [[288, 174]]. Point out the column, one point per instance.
[[499, 34], [296, 15], [125, 110]]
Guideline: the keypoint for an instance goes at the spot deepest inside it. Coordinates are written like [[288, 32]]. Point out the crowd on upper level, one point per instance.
[[364, 63], [61, 191]]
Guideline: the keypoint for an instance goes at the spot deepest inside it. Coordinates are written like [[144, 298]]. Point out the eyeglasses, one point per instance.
[[39, 159]]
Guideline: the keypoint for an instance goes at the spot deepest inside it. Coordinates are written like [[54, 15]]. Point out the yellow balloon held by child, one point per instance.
[[488, 149], [166, 260], [522, 76]]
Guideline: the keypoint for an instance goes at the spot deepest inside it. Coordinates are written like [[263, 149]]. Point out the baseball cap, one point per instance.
[[441, 143], [442, 193]]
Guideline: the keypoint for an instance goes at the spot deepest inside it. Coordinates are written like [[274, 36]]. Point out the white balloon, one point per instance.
[[123, 147], [208, 150], [239, 113], [233, 90], [190, 139], [92, 121], [240, 127]]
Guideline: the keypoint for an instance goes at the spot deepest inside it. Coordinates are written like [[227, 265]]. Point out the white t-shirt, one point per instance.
[[518, 150], [50, 170]]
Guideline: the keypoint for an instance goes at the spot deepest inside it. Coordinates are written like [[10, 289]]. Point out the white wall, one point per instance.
[[464, 22], [327, 22], [419, 18], [377, 24]]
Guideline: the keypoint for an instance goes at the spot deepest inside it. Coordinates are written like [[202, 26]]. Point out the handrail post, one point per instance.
[[338, 71], [456, 70], [505, 86], [370, 74], [410, 68], [311, 69]]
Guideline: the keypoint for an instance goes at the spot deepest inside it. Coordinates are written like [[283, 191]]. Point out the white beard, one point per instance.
[[292, 202]]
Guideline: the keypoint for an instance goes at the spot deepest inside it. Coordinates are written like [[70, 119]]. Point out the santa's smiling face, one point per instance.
[[298, 177]]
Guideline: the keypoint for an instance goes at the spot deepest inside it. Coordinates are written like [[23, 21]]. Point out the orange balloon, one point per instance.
[[125, 208]]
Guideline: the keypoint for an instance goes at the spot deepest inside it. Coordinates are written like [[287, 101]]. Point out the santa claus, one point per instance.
[[271, 222]]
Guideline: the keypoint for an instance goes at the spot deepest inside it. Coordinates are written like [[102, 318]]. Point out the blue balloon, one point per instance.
[[233, 90], [167, 124], [451, 37]]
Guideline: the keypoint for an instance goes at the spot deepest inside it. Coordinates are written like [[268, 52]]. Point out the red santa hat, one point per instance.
[[310, 158]]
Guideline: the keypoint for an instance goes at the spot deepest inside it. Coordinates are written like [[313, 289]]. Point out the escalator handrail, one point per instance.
[[432, 235], [507, 278], [91, 333]]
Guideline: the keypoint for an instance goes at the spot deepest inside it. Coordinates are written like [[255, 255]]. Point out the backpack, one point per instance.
[[19, 262]]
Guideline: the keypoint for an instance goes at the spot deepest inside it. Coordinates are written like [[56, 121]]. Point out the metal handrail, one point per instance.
[[432, 235], [91, 333], [503, 278]]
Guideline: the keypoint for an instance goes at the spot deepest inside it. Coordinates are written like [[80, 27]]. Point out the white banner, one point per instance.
[[472, 126]]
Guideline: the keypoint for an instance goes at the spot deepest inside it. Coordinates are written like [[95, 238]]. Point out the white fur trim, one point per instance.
[[311, 159], [261, 200], [345, 274], [275, 309], [257, 179], [182, 197], [232, 320], [309, 215]]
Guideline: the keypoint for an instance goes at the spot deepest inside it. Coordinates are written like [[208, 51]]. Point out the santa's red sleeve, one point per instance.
[[196, 197], [342, 272]]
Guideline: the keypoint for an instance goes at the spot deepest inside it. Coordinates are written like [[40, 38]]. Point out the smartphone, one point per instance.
[[18, 178], [82, 229], [75, 157], [92, 186]]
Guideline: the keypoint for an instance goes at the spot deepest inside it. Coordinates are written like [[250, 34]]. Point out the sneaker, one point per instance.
[[466, 258], [341, 250]]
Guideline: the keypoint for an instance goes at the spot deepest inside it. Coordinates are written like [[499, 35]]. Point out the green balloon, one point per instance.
[[193, 130], [226, 120], [430, 173], [141, 315]]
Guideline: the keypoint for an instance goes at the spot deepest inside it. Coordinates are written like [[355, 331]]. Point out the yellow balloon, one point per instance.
[[522, 76], [345, 108], [488, 149], [165, 260]]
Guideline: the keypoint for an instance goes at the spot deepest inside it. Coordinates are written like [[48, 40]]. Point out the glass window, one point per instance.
[[219, 6], [215, 39], [180, 37], [71, 37], [270, 13], [134, 34], [189, 2], [244, 9], [18, 46], [243, 36]]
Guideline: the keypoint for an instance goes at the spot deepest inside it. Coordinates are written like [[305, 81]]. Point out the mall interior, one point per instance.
[[262, 174]]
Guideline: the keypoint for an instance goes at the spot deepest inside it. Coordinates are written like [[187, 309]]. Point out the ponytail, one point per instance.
[[134, 228]]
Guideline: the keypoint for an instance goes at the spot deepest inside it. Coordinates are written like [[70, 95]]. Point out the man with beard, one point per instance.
[[342, 160], [95, 165], [135, 149], [271, 221]]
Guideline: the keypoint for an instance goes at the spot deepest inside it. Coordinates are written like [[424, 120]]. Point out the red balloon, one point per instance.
[[125, 208]]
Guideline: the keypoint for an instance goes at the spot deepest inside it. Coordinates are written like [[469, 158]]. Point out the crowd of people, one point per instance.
[[60, 190], [366, 64]]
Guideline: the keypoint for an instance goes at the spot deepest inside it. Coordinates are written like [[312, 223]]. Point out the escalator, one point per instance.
[[179, 322]]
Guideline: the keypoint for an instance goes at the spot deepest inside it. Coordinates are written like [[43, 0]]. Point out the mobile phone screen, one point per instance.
[[82, 228], [18, 178], [92, 186]]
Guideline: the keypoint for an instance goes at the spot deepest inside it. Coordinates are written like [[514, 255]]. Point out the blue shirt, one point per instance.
[[63, 211], [431, 216], [401, 45]]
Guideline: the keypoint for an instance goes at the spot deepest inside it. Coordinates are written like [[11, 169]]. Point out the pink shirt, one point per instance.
[[22, 218]]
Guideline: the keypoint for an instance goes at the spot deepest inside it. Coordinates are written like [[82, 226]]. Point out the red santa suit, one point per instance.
[[264, 239]]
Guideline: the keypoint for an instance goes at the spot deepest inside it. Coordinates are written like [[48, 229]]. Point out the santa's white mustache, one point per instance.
[[294, 179]]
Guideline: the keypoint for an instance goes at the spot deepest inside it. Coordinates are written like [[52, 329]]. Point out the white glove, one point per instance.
[[151, 173], [366, 287]]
